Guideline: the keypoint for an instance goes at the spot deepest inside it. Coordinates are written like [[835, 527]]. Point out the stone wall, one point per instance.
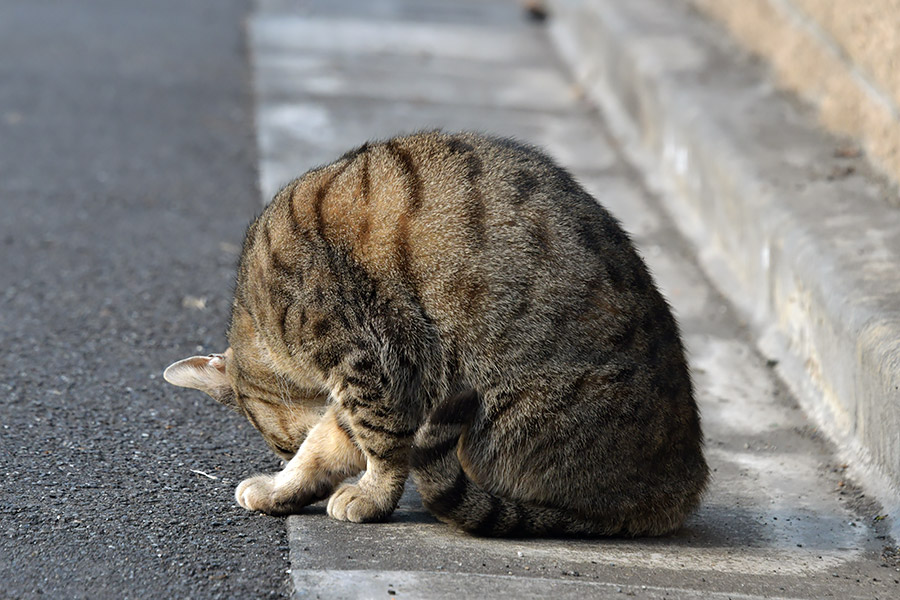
[[843, 56]]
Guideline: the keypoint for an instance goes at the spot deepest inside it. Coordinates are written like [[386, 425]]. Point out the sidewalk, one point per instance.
[[792, 222], [780, 520]]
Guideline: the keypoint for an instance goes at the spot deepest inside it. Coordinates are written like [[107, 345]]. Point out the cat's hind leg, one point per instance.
[[327, 457]]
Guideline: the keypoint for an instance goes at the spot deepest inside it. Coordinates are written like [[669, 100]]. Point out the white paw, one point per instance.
[[266, 494], [359, 505], [257, 493]]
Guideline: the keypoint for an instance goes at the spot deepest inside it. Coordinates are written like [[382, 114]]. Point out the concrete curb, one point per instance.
[[795, 230]]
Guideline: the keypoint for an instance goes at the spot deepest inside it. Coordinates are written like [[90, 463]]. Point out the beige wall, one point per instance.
[[841, 55]]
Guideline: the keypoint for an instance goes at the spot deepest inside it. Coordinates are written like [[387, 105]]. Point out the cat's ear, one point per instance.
[[204, 373]]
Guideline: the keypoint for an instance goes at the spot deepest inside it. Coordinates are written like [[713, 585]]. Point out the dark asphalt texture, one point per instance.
[[127, 176]]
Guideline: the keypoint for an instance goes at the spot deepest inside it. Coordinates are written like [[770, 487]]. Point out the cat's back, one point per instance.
[[469, 192], [481, 230]]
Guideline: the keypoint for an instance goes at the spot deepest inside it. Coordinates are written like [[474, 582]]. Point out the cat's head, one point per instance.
[[281, 410]]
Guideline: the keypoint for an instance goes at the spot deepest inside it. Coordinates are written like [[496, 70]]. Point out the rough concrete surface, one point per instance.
[[782, 519], [799, 232]]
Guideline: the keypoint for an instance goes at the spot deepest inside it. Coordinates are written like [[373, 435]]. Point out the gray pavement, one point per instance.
[[782, 519], [793, 223]]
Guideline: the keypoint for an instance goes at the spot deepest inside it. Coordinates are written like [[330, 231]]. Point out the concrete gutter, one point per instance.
[[794, 228], [778, 521]]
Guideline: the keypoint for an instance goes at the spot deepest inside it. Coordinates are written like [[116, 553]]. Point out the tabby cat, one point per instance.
[[458, 307]]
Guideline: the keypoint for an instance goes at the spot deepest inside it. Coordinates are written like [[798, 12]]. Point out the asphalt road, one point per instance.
[[127, 176]]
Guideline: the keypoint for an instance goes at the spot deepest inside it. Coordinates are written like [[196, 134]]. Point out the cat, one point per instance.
[[458, 307]]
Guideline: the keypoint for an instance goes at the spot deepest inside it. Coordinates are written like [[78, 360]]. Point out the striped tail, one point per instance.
[[449, 494]]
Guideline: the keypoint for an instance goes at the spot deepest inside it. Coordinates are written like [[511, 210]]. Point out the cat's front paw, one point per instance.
[[260, 493], [256, 493], [352, 502]]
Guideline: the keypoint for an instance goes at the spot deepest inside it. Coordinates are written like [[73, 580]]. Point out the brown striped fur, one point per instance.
[[470, 314]]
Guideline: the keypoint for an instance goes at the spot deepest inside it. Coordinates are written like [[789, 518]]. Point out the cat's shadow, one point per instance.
[[713, 525]]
